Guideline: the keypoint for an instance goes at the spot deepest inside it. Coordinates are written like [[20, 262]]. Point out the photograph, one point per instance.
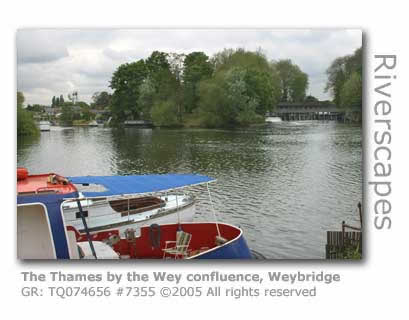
[[181, 144]]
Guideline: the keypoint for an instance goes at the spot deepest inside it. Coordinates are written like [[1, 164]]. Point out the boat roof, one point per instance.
[[137, 184]]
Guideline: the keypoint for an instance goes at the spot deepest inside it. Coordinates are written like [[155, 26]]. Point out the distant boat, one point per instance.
[[138, 123], [44, 125], [93, 123], [273, 119]]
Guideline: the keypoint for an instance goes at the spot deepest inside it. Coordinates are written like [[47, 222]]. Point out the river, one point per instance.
[[284, 183]]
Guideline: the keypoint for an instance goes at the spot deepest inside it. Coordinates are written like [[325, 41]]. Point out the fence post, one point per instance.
[[360, 213]]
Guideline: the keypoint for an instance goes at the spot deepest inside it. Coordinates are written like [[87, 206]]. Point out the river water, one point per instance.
[[284, 183]]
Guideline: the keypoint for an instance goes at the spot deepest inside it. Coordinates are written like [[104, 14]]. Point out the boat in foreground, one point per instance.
[[107, 203], [42, 232]]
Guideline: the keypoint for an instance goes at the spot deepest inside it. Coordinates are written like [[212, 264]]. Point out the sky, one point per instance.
[[51, 62]]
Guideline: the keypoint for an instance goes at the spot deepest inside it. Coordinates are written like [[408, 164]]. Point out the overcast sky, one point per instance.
[[53, 62]]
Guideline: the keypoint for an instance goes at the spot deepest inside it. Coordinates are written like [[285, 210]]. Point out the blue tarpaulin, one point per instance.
[[119, 185]]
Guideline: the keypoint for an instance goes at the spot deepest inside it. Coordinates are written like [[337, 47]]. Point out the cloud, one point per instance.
[[54, 61], [39, 46]]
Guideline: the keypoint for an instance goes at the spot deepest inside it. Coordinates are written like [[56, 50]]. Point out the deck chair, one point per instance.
[[180, 246]]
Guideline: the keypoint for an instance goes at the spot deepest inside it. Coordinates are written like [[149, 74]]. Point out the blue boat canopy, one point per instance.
[[122, 185]]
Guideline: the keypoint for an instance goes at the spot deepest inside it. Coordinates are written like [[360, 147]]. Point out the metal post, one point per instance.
[[84, 222], [177, 208], [214, 212], [360, 213], [128, 208]]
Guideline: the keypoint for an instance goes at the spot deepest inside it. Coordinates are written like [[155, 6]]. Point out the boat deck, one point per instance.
[[204, 237], [35, 184]]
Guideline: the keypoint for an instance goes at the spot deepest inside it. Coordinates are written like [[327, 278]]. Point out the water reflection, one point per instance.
[[285, 183]]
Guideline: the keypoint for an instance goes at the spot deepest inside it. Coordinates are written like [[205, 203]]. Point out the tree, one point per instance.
[[243, 87], [125, 82], [25, 122], [20, 99], [57, 102], [146, 98], [351, 93], [293, 82], [101, 100], [164, 113], [298, 86], [67, 115], [175, 86], [35, 108], [53, 104], [159, 72], [196, 67], [311, 99], [82, 104], [61, 100], [340, 70], [87, 115], [231, 99]]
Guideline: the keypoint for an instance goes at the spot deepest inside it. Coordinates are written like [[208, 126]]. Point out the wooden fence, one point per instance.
[[340, 244]]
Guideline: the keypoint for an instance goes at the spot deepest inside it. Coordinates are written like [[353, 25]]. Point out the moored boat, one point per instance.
[[131, 201], [44, 234], [44, 125]]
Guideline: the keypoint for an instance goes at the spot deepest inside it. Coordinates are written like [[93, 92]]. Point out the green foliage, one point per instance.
[[35, 108], [311, 99], [101, 100], [340, 72], [351, 93], [87, 115], [25, 122], [234, 87], [146, 98], [293, 82], [164, 113], [229, 58], [82, 104], [229, 99], [243, 87], [125, 82], [352, 253], [67, 115], [212, 101], [196, 68], [159, 73]]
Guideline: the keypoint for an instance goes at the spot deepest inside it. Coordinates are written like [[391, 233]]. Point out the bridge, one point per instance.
[[291, 111]]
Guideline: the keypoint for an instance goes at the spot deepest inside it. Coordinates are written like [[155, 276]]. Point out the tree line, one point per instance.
[[231, 88], [234, 87], [25, 123], [345, 83]]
